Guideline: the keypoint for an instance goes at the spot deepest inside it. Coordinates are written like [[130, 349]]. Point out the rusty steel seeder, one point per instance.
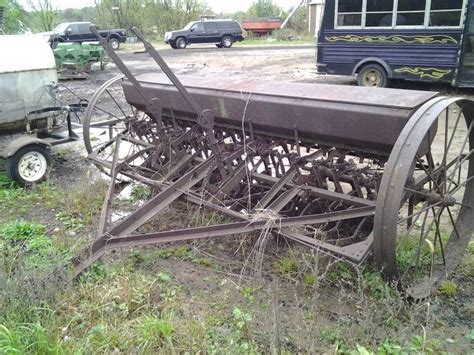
[[288, 150]]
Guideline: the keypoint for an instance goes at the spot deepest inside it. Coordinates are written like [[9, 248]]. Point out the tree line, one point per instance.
[[150, 16]]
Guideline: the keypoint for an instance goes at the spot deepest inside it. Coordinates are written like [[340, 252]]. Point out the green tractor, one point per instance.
[[74, 60]]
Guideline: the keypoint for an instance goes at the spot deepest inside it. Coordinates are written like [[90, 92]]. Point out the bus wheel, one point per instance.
[[372, 75]]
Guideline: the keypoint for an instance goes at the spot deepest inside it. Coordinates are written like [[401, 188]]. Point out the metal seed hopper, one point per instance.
[[351, 172]]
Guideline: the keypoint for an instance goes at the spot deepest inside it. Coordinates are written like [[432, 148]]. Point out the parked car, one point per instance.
[[79, 32], [221, 32]]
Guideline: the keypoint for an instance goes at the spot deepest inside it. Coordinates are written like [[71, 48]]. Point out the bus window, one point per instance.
[[349, 13], [381, 40], [411, 12], [446, 13], [379, 13]]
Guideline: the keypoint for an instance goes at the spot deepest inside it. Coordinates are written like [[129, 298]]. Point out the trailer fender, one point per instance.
[[13, 147], [382, 62]]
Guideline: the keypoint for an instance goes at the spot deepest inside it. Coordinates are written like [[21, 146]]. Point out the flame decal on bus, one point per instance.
[[440, 39], [425, 72]]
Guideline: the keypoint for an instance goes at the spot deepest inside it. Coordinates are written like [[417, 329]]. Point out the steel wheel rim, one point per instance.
[[108, 104], [121, 119], [32, 166], [389, 249]]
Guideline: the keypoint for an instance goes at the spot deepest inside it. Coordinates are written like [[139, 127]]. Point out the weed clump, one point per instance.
[[448, 289], [155, 332], [286, 266]]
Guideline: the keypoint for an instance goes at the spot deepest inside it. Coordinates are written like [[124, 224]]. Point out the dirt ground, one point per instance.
[[285, 309], [292, 63]]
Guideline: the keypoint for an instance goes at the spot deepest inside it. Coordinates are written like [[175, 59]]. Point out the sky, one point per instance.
[[216, 5]]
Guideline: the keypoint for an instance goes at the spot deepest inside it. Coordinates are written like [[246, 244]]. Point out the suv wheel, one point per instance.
[[219, 45], [227, 42], [181, 43], [114, 43]]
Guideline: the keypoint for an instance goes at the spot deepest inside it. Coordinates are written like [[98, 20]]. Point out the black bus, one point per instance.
[[380, 40]]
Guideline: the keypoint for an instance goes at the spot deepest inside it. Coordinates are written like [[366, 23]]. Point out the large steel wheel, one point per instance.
[[425, 208], [108, 116]]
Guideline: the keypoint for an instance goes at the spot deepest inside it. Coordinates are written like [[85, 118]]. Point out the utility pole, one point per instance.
[[291, 14], [116, 9]]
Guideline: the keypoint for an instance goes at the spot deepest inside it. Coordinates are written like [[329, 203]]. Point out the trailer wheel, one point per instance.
[[114, 43], [30, 165], [181, 43], [227, 42], [424, 218], [372, 75]]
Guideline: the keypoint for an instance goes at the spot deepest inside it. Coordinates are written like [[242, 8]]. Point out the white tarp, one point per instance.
[[27, 74], [25, 53]]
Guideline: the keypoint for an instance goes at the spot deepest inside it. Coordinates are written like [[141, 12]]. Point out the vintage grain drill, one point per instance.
[[351, 172]]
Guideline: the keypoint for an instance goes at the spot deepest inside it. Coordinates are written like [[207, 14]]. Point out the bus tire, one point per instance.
[[372, 75]]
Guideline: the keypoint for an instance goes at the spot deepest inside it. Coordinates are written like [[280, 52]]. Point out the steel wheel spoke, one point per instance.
[[453, 222], [419, 212], [438, 234], [465, 141], [432, 179], [108, 113], [460, 186], [458, 118], [120, 107], [445, 156]]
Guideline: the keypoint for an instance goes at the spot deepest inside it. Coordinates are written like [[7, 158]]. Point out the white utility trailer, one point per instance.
[[32, 116]]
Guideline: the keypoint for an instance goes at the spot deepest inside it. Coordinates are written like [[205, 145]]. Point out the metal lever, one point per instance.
[[169, 73], [123, 68]]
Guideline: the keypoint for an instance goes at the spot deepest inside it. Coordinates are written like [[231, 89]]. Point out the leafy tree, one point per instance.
[[298, 22], [157, 16], [13, 17], [44, 14], [264, 8]]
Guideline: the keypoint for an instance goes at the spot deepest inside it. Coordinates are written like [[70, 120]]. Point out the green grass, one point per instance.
[[249, 41], [268, 41], [139, 302]]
